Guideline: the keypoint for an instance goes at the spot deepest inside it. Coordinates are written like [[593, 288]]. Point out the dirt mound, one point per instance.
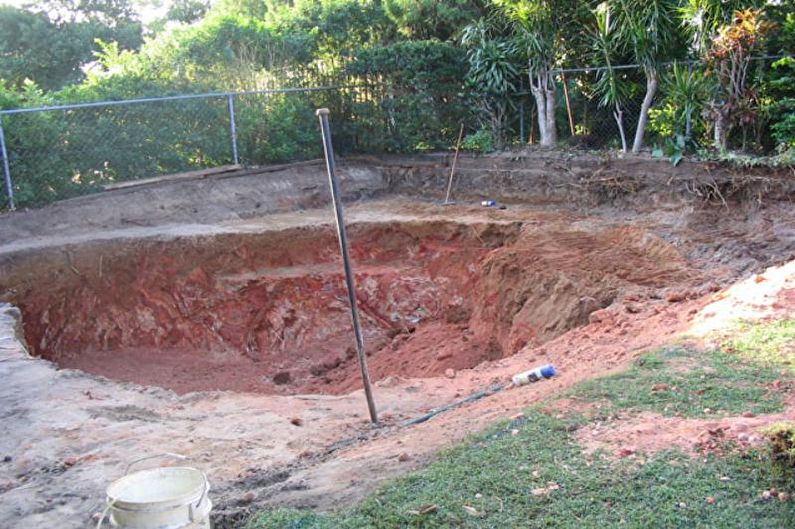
[[552, 280]]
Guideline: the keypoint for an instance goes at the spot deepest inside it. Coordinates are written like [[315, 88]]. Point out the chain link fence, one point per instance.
[[59, 152], [589, 121], [56, 153], [53, 153]]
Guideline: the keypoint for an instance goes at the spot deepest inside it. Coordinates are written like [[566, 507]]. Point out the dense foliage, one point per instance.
[[412, 72], [50, 42]]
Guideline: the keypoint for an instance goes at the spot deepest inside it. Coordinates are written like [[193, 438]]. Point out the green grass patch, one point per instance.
[[495, 474], [681, 382], [496, 479], [769, 343]]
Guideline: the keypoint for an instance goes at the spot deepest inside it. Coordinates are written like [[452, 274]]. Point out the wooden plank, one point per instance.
[[271, 168], [201, 173]]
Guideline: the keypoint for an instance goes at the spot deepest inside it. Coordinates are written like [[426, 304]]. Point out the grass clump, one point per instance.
[[679, 381], [768, 343], [781, 436]]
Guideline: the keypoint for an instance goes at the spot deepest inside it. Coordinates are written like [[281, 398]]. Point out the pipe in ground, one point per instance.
[[322, 114]]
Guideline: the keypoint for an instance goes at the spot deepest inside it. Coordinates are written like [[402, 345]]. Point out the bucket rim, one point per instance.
[[168, 502]]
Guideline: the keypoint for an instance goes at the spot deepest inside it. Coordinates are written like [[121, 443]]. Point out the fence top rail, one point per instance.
[[207, 95], [589, 69]]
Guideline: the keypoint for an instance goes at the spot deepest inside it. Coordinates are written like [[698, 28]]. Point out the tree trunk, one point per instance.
[[498, 124], [552, 131], [721, 130], [689, 125], [618, 114], [541, 104], [542, 85], [651, 90]]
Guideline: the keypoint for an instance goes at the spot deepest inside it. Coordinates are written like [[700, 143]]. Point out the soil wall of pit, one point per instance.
[[267, 312], [233, 195], [584, 179], [529, 176]]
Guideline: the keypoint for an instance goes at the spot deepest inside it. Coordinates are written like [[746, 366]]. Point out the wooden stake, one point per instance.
[[568, 103], [455, 161]]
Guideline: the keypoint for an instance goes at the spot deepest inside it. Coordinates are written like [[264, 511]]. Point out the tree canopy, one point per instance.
[[94, 49], [50, 43]]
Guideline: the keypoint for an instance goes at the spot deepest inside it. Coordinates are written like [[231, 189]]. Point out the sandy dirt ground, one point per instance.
[[66, 433]]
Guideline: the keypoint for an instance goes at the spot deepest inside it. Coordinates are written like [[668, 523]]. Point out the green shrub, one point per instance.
[[62, 153], [278, 128], [421, 106], [781, 110], [662, 120], [480, 141]]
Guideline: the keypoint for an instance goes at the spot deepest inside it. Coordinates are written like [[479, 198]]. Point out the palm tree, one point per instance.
[[604, 41], [536, 29], [492, 73], [689, 89], [648, 29]]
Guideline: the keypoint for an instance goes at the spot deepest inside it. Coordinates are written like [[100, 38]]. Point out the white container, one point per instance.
[[534, 375], [160, 498]]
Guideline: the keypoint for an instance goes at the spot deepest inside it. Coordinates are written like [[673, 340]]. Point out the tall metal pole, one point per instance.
[[323, 114], [6, 170], [230, 104]]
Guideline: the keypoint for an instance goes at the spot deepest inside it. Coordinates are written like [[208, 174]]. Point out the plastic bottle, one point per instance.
[[488, 203], [534, 375]]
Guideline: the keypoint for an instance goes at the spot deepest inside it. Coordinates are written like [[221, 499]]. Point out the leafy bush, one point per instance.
[[662, 120], [686, 91], [782, 111], [674, 149], [29, 140], [277, 128], [422, 105], [480, 141], [62, 153]]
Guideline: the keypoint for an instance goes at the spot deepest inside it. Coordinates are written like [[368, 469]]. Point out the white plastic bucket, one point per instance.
[[160, 498]]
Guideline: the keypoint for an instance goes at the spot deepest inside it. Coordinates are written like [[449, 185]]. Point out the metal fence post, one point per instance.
[[230, 103], [6, 170]]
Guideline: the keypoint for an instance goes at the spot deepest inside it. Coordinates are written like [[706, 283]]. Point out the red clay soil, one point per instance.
[[767, 296], [268, 312]]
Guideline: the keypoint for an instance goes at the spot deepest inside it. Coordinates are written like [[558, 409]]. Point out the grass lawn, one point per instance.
[[540, 477]]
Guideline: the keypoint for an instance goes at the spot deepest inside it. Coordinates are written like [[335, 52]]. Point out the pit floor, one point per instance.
[[66, 434]]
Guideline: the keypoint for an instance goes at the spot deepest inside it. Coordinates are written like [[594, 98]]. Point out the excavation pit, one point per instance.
[[267, 312]]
